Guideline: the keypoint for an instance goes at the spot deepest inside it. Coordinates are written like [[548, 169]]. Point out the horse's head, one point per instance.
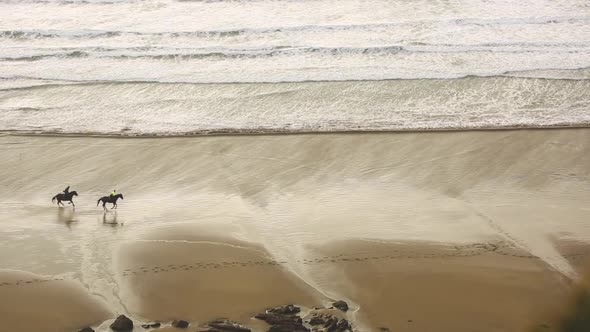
[[74, 193], [120, 195]]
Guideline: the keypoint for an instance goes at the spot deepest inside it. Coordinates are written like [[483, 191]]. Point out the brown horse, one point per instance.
[[109, 199], [65, 197]]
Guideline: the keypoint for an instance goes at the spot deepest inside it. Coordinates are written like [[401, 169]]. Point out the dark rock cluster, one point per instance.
[[281, 319], [282, 322], [288, 309], [329, 323], [286, 319]]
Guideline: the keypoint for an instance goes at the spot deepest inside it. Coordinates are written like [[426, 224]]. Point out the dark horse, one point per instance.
[[109, 199], [65, 197]]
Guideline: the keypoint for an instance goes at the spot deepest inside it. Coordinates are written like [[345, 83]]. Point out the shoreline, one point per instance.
[[279, 132]]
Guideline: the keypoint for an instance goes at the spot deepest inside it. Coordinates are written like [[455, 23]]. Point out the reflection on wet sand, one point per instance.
[[110, 218], [66, 216]]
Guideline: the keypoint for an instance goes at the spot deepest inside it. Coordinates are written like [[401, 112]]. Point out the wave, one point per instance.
[[37, 82], [155, 109], [159, 53], [74, 54], [36, 34], [67, 2], [268, 52]]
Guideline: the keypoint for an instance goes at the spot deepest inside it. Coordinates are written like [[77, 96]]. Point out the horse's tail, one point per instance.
[[98, 202], [53, 198]]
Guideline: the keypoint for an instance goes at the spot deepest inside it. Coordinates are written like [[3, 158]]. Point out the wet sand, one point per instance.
[[577, 254], [433, 287], [260, 221], [30, 302], [196, 277]]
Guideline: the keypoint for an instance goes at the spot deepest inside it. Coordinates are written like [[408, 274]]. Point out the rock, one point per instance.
[[329, 323], [343, 325], [180, 324], [319, 319], [151, 325], [227, 325], [122, 324], [283, 323], [87, 329], [316, 320], [276, 319], [285, 310], [341, 305]]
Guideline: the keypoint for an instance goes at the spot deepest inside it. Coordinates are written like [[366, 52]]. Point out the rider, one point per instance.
[[67, 190], [114, 193]]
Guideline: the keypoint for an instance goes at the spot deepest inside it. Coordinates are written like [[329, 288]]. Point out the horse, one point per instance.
[[109, 199], [65, 197]]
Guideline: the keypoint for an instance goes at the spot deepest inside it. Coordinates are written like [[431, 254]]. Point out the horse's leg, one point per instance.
[[74, 205], [104, 205]]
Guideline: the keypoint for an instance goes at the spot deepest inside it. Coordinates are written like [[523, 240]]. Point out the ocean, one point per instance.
[[162, 68]]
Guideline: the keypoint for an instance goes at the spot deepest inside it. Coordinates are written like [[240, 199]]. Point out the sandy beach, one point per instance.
[[439, 231]]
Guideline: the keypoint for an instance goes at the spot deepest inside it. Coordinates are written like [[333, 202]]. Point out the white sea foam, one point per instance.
[[80, 42], [186, 109]]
